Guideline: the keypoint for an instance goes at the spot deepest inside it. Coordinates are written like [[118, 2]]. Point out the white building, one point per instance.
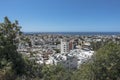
[[64, 46], [70, 60]]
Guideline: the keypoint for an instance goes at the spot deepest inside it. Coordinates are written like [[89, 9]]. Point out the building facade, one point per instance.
[[64, 46]]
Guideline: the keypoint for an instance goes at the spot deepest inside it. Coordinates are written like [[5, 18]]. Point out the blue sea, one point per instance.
[[76, 33]]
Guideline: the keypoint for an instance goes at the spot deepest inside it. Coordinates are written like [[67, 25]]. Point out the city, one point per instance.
[[69, 50], [59, 39]]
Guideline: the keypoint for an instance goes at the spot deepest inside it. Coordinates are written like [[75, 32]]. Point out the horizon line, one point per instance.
[[68, 31]]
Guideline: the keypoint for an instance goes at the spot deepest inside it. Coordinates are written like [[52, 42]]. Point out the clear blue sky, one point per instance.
[[63, 15]]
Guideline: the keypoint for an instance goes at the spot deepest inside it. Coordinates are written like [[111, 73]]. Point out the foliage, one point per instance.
[[9, 39], [106, 62], [57, 50], [104, 66], [97, 45], [56, 73]]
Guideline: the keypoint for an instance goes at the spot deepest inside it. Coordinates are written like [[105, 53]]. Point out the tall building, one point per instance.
[[71, 46], [64, 46]]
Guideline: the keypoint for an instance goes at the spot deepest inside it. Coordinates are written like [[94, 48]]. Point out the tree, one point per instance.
[[106, 64], [56, 73], [83, 73], [10, 59]]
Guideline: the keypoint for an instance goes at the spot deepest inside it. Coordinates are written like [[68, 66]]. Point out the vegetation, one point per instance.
[[9, 57], [105, 64], [56, 73], [57, 50], [12, 64]]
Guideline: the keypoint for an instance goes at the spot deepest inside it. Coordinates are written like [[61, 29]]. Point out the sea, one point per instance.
[[75, 33]]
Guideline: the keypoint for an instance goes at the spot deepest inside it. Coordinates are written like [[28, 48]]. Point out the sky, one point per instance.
[[63, 15]]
